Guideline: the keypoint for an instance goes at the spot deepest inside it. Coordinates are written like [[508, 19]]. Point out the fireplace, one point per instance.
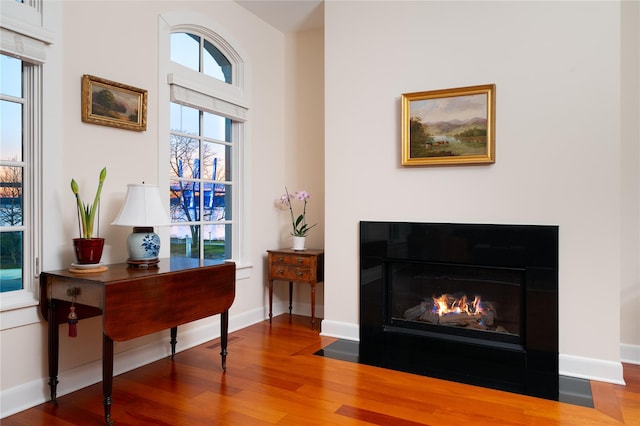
[[473, 303]]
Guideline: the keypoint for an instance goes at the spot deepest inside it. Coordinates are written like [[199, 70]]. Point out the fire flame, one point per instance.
[[448, 304]]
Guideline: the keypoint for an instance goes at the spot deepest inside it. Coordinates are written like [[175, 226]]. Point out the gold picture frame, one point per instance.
[[449, 126], [108, 103]]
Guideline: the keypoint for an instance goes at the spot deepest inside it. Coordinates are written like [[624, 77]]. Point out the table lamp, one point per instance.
[[143, 210]]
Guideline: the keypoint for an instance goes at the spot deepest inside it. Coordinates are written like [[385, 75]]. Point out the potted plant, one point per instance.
[[88, 248], [300, 228]]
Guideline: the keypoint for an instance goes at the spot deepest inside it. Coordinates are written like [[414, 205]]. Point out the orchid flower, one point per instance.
[[299, 224]]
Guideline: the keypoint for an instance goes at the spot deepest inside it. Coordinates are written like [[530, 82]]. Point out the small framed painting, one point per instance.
[[449, 126], [108, 103]]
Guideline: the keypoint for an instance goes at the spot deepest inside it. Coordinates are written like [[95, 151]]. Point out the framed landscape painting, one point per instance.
[[113, 104], [449, 126]]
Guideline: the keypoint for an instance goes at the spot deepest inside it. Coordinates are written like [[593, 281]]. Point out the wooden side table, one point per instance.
[[305, 266], [137, 302]]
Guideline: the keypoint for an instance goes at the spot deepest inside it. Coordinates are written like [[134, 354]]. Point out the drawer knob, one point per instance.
[[74, 291], [280, 271], [280, 259], [300, 260], [299, 273]]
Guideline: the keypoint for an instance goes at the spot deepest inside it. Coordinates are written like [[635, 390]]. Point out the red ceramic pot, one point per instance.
[[88, 250]]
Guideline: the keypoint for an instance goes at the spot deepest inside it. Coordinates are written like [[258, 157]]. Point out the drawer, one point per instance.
[[291, 259], [86, 294], [290, 273]]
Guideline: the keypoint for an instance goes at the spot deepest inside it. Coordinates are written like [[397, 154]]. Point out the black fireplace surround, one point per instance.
[[403, 266]]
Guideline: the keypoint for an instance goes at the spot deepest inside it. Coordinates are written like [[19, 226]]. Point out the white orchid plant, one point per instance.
[[299, 223]]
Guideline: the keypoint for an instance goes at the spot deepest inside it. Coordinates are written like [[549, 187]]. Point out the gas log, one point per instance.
[[427, 311]]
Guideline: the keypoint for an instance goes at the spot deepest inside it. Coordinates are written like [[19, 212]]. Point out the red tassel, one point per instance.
[[72, 319]]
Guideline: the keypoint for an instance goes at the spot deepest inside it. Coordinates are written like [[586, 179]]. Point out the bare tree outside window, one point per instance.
[[11, 213], [10, 196], [195, 171]]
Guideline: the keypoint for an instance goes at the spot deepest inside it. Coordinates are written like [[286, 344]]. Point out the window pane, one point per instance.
[[11, 76], [215, 127], [222, 206], [214, 241], [185, 201], [216, 202], [215, 64], [183, 157], [184, 119], [10, 196], [185, 50], [11, 261], [214, 161], [11, 131], [185, 241]]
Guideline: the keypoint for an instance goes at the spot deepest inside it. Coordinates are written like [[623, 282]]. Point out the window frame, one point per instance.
[[185, 86], [24, 37], [31, 192]]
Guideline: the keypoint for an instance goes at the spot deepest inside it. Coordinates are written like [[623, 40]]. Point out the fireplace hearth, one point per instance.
[[473, 303]]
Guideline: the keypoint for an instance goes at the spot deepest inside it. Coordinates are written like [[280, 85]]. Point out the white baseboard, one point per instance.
[[22, 397], [630, 353], [302, 308], [281, 306], [591, 369], [36, 392], [340, 330]]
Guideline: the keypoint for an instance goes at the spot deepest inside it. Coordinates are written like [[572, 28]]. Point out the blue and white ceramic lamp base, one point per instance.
[[143, 245]]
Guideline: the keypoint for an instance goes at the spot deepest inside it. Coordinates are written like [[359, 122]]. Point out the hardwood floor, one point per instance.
[[273, 378]]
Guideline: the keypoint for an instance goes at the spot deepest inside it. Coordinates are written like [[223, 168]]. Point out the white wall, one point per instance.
[[304, 150], [556, 66], [630, 222]]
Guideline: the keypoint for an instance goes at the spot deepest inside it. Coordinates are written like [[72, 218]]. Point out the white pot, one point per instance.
[[298, 243]]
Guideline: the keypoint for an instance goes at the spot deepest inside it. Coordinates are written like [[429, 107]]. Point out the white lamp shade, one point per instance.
[[142, 207]]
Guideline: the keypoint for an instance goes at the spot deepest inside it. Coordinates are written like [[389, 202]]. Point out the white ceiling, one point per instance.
[[288, 15]]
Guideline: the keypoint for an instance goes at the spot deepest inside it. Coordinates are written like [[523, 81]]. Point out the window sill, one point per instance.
[[18, 308], [243, 271]]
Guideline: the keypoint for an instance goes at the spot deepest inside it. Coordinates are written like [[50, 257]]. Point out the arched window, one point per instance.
[[207, 115], [201, 55]]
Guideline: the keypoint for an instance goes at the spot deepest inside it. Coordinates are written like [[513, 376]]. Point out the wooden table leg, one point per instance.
[[224, 335], [313, 305], [54, 344], [270, 300], [174, 340], [107, 376], [290, 296]]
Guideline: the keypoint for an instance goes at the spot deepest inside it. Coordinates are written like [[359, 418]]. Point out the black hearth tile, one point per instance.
[[575, 391], [572, 390], [344, 350]]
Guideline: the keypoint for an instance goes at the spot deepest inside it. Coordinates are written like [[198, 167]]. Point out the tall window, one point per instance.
[[205, 134], [12, 166], [200, 186], [18, 160], [22, 53]]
